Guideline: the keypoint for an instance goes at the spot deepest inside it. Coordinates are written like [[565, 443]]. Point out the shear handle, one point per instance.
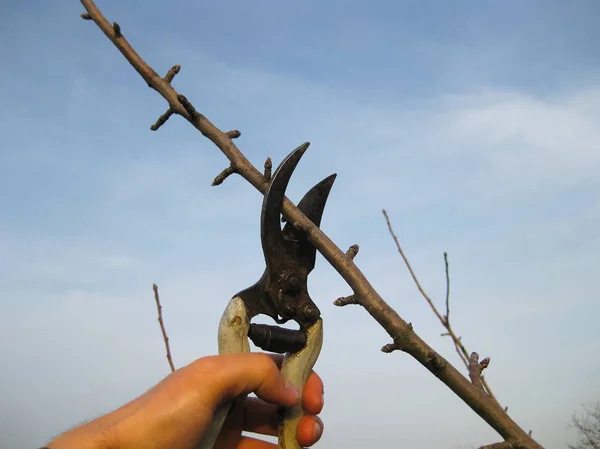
[[233, 338], [297, 366]]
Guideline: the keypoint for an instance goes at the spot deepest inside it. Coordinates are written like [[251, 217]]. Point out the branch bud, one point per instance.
[[172, 72], [352, 251], [162, 120], [224, 175]]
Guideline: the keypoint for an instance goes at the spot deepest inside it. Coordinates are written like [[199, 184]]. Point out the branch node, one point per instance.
[[352, 251], [189, 108], [401, 340], [268, 168], [346, 300], [172, 72], [85, 16], [162, 120], [436, 363], [233, 134], [224, 175], [117, 29], [507, 444], [475, 369]]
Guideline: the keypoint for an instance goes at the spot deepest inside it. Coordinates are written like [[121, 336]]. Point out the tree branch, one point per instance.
[[162, 327], [445, 319], [398, 329]]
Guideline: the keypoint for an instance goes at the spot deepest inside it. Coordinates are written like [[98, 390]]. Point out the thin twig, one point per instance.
[[447, 289], [398, 329], [162, 327], [445, 320]]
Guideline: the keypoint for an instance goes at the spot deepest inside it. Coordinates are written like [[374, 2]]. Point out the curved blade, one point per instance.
[[270, 224], [312, 205]]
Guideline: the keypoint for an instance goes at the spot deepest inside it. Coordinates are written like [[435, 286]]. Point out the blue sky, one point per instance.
[[476, 127]]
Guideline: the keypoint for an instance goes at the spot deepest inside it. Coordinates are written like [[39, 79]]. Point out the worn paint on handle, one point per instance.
[[296, 368], [233, 338]]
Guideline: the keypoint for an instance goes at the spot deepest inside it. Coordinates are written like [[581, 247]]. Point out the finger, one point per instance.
[[277, 358], [254, 443], [310, 430], [231, 430], [237, 374], [261, 417], [312, 395]]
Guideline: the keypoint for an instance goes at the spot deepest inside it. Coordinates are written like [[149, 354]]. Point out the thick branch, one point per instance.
[[387, 317]]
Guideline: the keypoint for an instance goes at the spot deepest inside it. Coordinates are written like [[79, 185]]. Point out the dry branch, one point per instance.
[[403, 336], [162, 327]]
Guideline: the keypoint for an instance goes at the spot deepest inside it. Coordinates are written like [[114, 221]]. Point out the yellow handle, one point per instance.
[[296, 369], [233, 338]]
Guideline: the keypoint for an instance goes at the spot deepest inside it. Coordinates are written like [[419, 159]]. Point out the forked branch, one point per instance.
[[445, 319], [404, 338]]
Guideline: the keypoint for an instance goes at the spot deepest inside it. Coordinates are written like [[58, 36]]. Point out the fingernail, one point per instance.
[[318, 429]]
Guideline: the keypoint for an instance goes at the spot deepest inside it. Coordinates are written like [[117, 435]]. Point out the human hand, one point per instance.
[[177, 412]]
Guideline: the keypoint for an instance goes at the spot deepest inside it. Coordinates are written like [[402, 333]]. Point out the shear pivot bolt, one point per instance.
[[309, 312], [293, 282]]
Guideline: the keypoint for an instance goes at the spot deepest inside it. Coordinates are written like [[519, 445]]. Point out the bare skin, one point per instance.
[[177, 412]]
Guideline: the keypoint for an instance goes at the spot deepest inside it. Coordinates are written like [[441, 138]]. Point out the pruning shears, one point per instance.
[[281, 293]]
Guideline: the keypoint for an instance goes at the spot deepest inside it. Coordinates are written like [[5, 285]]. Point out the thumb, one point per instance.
[[241, 374]]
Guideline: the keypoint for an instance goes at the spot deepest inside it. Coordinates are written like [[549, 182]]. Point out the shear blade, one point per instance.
[[312, 205], [270, 228]]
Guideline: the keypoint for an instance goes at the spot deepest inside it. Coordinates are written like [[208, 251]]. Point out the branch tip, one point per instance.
[[268, 168], [117, 29], [162, 120], [352, 251], [390, 347], [447, 316], [233, 134], [224, 175], [85, 16], [346, 300], [172, 72]]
